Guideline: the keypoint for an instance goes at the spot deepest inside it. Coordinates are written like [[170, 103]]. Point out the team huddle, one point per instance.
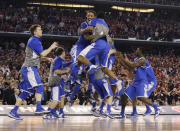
[[93, 54]]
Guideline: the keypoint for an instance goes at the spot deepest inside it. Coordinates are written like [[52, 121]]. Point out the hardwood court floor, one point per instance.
[[90, 123]]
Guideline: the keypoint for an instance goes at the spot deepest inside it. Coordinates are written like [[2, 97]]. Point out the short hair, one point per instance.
[[143, 49], [33, 28], [59, 51], [100, 15], [91, 11]]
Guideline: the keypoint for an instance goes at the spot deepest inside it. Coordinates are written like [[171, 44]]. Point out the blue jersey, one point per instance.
[[111, 59], [74, 72], [74, 69], [35, 44], [33, 50], [95, 21], [82, 42], [101, 29], [140, 72], [150, 72], [143, 85], [59, 63]]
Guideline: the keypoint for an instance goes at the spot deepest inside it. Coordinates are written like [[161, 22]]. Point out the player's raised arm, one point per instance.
[[130, 64], [47, 51], [88, 29], [140, 62], [60, 71], [51, 60]]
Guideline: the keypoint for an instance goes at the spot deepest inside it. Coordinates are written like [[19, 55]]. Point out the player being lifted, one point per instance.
[[75, 51], [100, 47]]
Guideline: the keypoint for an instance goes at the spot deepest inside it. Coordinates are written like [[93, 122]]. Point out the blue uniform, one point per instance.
[[74, 82], [101, 85], [30, 79], [58, 89], [80, 44], [100, 48], [73, 79], [96, 21], [30, 75], [29, 71], [152, 82], [75, 51], [111, 61], [139, 86], [94, 61], [103, 88], [75, 70]]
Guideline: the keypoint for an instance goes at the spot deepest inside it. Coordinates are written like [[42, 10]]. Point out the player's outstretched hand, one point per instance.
[[54, 45]]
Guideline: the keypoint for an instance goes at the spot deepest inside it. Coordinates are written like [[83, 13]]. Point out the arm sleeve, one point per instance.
[[36, 46], [66, 64], [93, 22], [83, 25], [57, 64]]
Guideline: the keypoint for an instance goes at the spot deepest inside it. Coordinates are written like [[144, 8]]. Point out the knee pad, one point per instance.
[[40, 89], [24, 95]]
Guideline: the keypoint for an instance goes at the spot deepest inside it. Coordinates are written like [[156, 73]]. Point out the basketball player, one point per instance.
[[82, 42], [140, 87], [30, 76], [104, 90], [57, 70], [152, 83], [99, 48], [75, 51]]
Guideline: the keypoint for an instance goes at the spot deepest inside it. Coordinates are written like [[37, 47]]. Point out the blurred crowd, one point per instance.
[[165, 61], [160, 25]]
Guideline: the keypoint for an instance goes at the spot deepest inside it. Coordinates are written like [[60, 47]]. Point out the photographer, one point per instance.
[[174, 96]]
